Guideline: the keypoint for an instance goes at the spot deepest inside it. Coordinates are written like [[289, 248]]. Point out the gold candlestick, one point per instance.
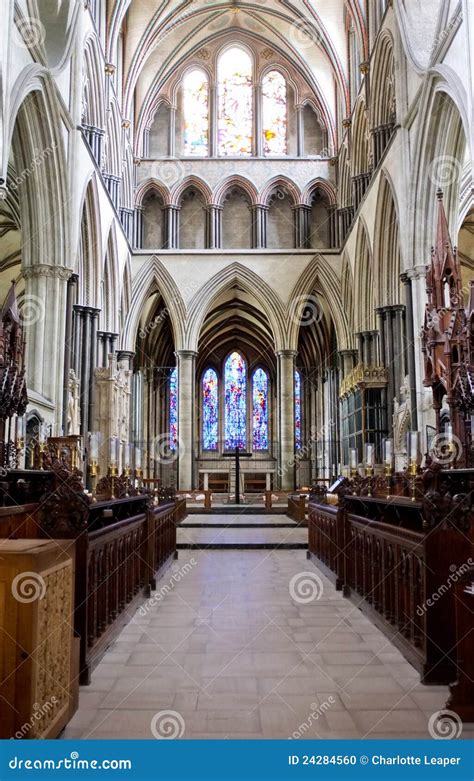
[[388, 478], [369, 472], [93, 472], [113, 472], [413, 471]]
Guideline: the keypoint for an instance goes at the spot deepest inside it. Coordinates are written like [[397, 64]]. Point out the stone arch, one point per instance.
[[440, 151], [365, 301], [383, 92], [36, 141], [153, 277], [110, 285], [387, 265], [360, 140], [230, 182], [280, 183], [89, 262], [191, 181], [347, 289], [268, 300], [319, 271], [93, 102]]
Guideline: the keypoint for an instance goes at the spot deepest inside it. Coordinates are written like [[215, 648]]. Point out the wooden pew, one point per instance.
[[398, 559]]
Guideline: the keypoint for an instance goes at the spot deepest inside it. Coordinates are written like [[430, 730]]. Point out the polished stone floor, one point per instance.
[[247, 644]]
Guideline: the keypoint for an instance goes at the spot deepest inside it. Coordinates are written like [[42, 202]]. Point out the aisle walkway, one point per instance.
[[241, 530], [239, 648]]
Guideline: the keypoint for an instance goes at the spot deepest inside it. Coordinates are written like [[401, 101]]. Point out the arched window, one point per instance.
[[235, 102], [275, 118], [235, 412], [260, 410], [298, 440], [210, 410], [173, 408], [196, 113]]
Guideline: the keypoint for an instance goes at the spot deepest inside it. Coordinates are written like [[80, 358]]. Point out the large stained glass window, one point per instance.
[[210, 410], [260, 410], [173, 410], [274, 114], [196, 113], [298, 441], [235, 102], [235, 412]]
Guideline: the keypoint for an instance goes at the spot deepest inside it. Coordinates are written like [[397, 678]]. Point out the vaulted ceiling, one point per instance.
[[158, 36]]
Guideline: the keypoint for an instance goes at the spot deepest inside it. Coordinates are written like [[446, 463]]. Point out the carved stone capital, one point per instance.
[[43, 270]]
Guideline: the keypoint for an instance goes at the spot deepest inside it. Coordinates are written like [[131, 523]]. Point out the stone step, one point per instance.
[[293, 537]]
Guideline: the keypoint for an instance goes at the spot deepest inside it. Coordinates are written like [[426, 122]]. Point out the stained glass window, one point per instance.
[[196, 113], [260, 410], [210, 410], [235, 102], [235, 413], [173, 410], [274, 114], [297, 410]]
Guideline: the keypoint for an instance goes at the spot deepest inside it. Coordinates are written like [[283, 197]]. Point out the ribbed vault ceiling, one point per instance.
[[158, 36]]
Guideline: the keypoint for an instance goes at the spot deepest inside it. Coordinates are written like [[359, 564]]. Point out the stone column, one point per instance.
[[44, 311], [258, 108], [302, 215], [68, 345], [300, 131], [410, 347], [286, 418], [171, 215], [186, 417], [213, 121], [138, 227], [214, 226], [172, 132], [260, 212]]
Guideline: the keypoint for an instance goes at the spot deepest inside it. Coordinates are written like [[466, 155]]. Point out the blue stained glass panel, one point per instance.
[[235, 413], [297, 410], [210, 410], [260, 410], [173, 408]]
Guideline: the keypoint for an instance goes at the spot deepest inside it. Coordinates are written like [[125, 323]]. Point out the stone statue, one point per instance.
[[401, 425], [73, 412]]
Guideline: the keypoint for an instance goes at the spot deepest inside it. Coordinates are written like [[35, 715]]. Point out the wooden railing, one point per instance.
[[297, 507], [117, 567], [120, 544], [399, 559]]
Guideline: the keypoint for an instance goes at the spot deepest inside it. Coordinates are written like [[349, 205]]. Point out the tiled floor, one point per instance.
[[234, 530], [240, 648]]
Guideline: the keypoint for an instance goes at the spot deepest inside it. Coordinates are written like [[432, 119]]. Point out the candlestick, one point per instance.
[[113, 451], [388, 453], [369, 454], [94, 446], [138, 458], [126, 455], [414, 446], [353, 458]]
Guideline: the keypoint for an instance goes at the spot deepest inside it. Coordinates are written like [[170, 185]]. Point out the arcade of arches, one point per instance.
[[219, 217]]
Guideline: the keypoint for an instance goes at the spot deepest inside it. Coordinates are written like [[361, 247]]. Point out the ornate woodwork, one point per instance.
[[448, 341], [39, 681], [13, 395], [396, 557]]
